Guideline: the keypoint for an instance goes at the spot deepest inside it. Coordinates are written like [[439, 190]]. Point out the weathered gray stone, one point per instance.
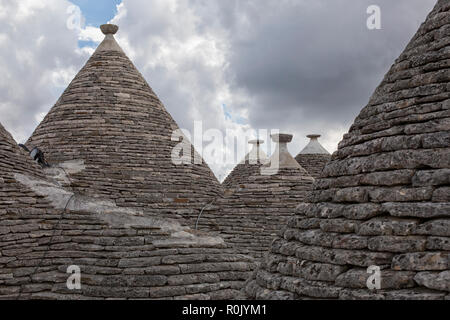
[[431, 177], [434, 280], [350, 241], [315, 238], [360, 295], [418, 210], [439, 227], [357, 278], [409, 294], [397, 244], [438, 243], [339, 225], [319, 271], [193, 278], [421, 261], [387, 226], [441, 195], [362, 211]]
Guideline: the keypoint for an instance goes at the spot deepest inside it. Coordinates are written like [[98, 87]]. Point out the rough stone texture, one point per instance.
[[111, 119], [313, 163], [382, 200], [122, 254], [256, 206]]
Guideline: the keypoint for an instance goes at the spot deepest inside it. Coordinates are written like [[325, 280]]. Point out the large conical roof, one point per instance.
[[313, 157], [383, 200], [47, 231], [111, 119], [258, 202]]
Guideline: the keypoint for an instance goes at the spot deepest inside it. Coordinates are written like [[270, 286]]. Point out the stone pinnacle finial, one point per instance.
[[281, 137], [281, 158], [256, 142], [109, 43], [314, 146], [256, 155], [109, 29]]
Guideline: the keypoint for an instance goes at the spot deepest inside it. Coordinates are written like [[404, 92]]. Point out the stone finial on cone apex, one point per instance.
[[256, 155], [314, 146], [109, 29], [281, 158], [281, 137], [109, 43], [256, 142]]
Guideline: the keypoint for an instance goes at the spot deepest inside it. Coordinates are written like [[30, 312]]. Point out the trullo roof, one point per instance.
[[111, 119], [258, 203], [47, 231], [313, 157], [383, 202]]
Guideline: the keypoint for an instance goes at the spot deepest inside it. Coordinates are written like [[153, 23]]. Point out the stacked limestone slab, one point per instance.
[[259, 199], [313, 157], [383, 200], [122, 253], [111, 121]]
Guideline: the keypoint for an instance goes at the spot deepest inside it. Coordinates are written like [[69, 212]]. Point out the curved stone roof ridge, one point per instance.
[[111, 119], [384, 199], [121, 252]]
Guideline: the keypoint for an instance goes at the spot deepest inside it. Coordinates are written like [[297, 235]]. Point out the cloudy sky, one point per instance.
[[300, 66]]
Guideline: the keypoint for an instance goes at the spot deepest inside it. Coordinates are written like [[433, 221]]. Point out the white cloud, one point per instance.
[[90, 33], [39, 56]]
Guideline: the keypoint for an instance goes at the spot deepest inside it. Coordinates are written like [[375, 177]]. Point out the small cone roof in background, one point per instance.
[[250, 166], [313, 157], [119, 253], [384, 199], [259, 200], [111, 119]]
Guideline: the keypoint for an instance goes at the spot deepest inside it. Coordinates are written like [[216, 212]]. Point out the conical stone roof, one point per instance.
[[110, 119], [250, 166], [120, 253], [383, 200], [254, 209], [313, 157]]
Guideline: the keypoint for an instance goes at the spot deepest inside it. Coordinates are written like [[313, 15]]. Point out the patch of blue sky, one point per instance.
[[240, 120], [84, 43], [97, 12], [226, 112], [229, 116]]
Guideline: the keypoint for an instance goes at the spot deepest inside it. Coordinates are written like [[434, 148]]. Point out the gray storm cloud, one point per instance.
[[295, 65]]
